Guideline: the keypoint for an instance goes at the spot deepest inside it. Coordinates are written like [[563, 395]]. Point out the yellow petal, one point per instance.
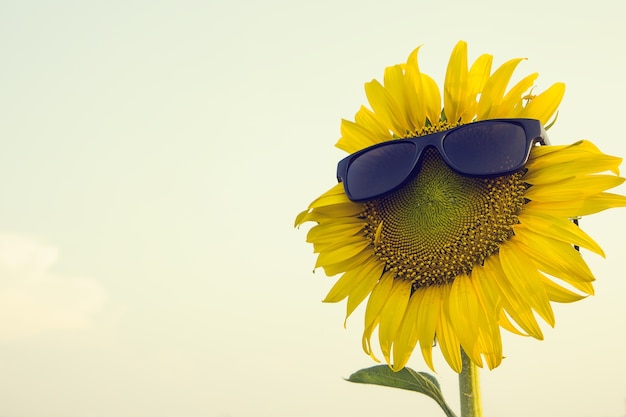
[[517, 307], [563, 152], [377, 300], [432, 99], [573, 188], [339, 210], [506, 324], [301, 218], [456, 84], [408, 334], [557, 259], [375, 304], [493, 93], [512, 102], [574, 160], [370, 271], [348, 264], [478, 76], [385, 107], [466, 316], [356, 136], [391, 316], [367, 118], [332, 245], [543, 106], [416, 102], [341, 252], [572, 209], [362, 290], [557, 228], [489, 338], [427, 320], [522, 274], [332, 232], [366, 340], [448, 340], [394, 83], [559, 294]]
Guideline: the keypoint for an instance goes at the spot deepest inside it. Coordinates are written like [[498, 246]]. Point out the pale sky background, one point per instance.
[[154, 155]]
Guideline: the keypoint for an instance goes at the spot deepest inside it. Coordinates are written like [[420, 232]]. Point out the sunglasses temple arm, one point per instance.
[[341, 169], [544, 137]]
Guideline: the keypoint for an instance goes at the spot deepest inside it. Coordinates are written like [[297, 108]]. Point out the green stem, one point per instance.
[[469, 388]]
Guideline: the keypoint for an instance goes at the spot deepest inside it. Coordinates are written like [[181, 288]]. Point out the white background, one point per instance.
[[153, 156]]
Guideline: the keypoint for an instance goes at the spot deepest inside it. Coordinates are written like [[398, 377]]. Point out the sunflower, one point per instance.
[[447, 259]]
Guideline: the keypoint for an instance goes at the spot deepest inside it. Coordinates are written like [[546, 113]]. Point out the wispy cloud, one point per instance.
[[33, 300]]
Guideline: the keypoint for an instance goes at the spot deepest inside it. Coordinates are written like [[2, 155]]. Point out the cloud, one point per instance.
[[34, 300]]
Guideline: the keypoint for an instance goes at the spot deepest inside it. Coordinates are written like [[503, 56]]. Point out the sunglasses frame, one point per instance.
[[535, 133]]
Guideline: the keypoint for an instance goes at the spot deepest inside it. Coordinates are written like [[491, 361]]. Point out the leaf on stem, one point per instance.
[[407, 379]]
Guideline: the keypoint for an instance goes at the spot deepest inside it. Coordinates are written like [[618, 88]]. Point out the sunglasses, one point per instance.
[[485, 148]]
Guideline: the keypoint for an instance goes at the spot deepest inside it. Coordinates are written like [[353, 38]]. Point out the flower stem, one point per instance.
[[469, 388]]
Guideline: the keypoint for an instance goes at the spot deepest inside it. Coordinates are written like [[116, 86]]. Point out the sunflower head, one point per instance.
[[453, 258]]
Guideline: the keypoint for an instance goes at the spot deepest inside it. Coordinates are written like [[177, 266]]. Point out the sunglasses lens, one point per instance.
[[486, 148], [379, 170]]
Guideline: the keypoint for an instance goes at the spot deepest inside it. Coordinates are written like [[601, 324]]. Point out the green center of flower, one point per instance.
[[441, 224]]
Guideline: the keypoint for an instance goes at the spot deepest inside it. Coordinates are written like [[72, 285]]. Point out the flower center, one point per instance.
[[441, 224]]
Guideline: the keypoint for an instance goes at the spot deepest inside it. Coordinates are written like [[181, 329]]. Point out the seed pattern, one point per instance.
[[441, 224]]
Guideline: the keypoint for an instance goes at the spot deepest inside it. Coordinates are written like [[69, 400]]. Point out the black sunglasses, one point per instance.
[[484, 148]]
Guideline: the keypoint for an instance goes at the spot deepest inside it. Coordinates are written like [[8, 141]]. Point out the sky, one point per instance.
[[154, 155]]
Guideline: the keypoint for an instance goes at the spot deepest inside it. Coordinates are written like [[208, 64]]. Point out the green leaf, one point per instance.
[[407, 379]]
